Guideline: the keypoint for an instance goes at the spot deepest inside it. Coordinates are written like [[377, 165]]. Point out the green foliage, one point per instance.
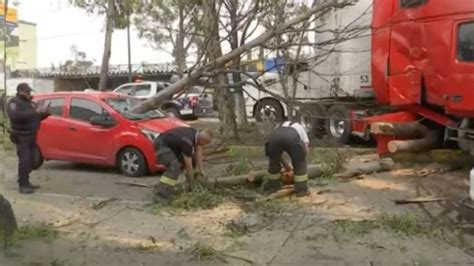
[[407, 224], [123, 9], [331, 161], [355, 227], [175, 22], [36, 231], [266, 207], [243, 166], [199, 198]]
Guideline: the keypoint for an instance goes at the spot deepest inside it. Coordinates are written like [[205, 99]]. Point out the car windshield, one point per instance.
[[124, 105]]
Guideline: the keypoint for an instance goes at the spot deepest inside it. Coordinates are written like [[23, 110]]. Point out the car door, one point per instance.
[[125, 90], [142, 91], [91, 144], [50, 140]]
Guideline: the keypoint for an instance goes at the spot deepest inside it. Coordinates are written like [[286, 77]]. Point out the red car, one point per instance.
[[98, 128]]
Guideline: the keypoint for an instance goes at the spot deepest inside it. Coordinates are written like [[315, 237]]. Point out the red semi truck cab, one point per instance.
[[422, 63]]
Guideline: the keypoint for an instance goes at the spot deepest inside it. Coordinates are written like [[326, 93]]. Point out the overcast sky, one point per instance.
[[59, 26]]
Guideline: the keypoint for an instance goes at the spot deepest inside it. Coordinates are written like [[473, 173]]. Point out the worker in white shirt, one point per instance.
[[289, 137]]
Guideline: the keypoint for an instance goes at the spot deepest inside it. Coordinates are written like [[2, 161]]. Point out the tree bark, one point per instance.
[[212, 65], [409, 130], [104, 69], [179, 51], [428, 142], [225, 99], [240, 110]]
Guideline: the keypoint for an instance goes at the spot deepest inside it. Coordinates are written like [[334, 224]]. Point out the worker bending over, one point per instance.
[[175, 149], [289, 137]]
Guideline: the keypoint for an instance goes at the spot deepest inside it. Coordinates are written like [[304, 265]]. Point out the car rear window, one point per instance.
[[56, 106]]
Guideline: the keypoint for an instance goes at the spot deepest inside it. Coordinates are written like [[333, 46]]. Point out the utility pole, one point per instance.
[[129, 51], [5, 30]]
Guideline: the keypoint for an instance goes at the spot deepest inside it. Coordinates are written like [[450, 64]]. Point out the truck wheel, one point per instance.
[[269, 110], [338, 125], [38, 159], [312, 117], [131, 162]]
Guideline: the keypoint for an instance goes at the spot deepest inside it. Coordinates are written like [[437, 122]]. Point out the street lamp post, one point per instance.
[[129, 51]]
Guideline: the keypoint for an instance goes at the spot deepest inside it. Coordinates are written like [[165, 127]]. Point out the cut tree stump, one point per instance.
[[428, 142], [8, 224]]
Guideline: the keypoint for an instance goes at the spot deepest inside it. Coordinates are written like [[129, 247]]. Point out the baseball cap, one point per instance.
[[24, 87]]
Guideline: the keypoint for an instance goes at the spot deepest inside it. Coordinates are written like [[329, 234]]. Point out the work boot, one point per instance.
[[26, 190], [33, 186], [163, 193], [301, 189], [271, 185]]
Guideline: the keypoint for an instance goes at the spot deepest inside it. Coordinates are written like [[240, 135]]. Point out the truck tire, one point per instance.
[[338, 125], [269, 110], [313, 117]]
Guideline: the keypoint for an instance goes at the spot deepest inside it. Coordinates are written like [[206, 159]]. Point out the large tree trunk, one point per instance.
[[104, 69], [240, 111], [225, 99], [179, 51]]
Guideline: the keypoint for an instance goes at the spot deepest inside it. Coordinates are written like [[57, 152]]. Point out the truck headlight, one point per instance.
[[151, 135]]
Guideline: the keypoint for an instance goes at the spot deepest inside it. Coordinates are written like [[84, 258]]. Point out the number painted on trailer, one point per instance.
[[364, 79]]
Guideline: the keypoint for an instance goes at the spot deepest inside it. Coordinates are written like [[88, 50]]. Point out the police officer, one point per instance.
[[25, 117], [176, 148], [289, 137]]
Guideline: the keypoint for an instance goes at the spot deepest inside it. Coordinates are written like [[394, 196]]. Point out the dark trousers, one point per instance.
[[25, 147], [166, 186], [286, 139]]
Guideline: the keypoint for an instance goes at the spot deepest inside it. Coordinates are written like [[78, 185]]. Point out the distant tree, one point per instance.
[[175, 22], [117, 14], [78, 62]]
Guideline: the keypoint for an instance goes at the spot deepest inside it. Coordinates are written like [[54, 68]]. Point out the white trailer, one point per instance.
[[337, 75]]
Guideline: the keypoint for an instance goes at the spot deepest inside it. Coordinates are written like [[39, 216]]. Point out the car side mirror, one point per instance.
[[102, 121]]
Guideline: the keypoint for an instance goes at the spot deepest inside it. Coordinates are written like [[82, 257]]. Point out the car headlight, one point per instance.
[[151, 135]]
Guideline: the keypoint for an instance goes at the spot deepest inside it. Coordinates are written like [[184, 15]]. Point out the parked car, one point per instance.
[[98, 128], [146, 89]]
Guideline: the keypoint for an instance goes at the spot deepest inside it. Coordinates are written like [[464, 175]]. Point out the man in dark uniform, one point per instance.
[[289, 137], [176, 149], [25, 118]]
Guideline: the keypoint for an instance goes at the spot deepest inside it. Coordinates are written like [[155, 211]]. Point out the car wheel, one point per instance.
[[338, 125], [269, 110], [131, 162], [38, 159], [173, 111]]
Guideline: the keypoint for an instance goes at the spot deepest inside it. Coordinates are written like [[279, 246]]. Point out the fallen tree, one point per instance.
[[416, 137], [252, 177], [212, 68]]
